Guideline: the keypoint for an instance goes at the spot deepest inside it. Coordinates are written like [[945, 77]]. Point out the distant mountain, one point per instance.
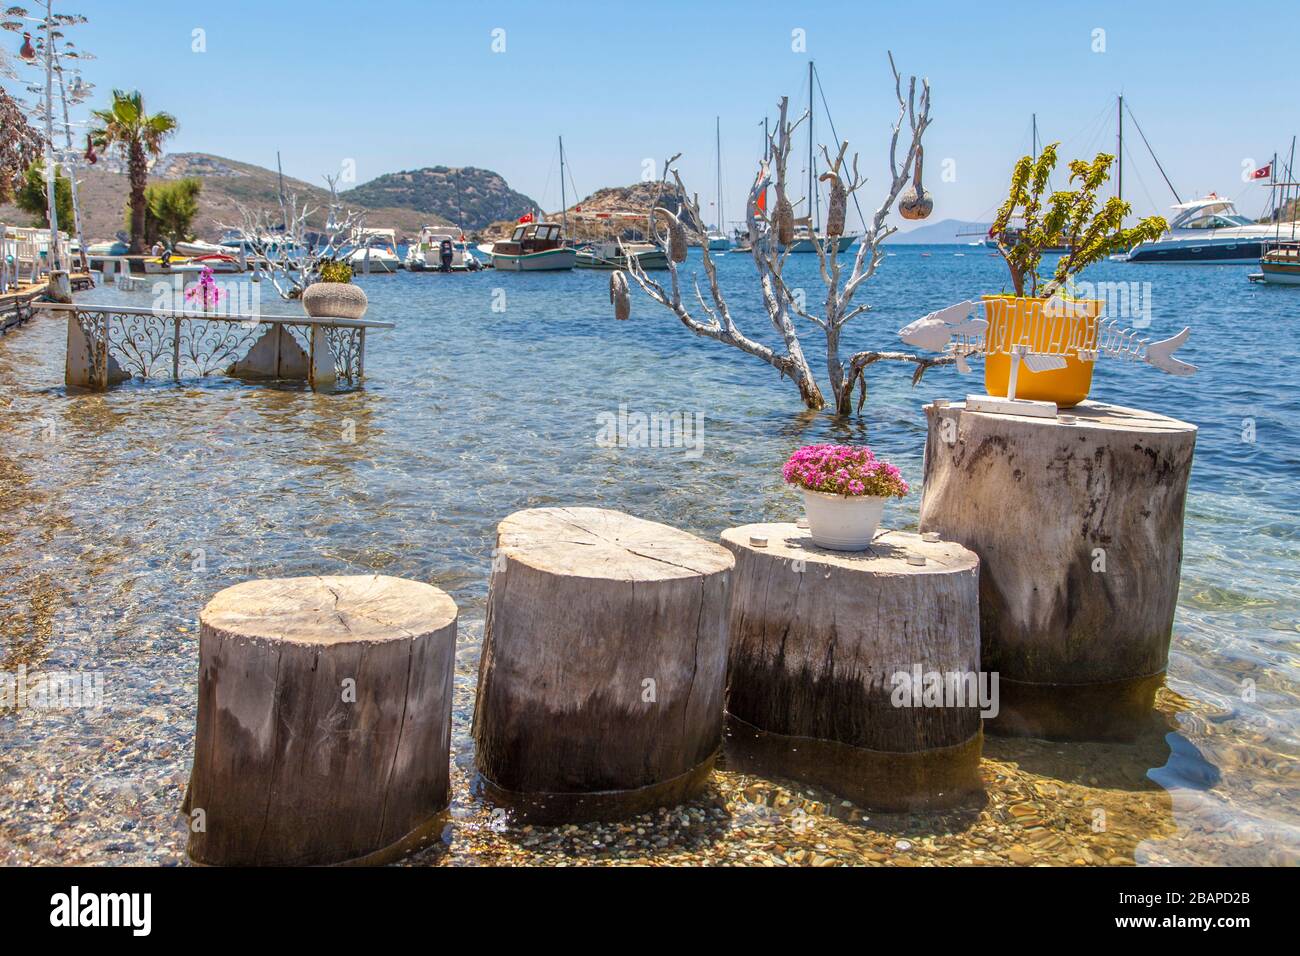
[[470, 197], [227, 183], [945, 231]]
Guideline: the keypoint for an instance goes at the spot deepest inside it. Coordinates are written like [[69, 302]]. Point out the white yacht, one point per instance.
[[1207, 230]]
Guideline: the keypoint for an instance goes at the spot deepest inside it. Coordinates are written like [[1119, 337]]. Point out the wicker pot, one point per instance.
[[334, 300]]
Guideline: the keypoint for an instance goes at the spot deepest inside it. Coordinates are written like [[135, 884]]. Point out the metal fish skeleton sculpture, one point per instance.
[[955, 331]]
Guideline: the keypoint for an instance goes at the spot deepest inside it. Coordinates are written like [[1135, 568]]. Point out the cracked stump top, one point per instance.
[[327, 610], [609, 545]]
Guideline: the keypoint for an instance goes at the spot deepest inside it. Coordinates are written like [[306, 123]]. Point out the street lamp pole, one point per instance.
[[56, 257], [72, 167]]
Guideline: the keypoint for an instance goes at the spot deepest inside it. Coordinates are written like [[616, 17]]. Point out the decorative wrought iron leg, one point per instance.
[[176, 349]]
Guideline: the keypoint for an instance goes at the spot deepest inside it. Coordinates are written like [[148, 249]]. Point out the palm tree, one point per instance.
[[139, 137]]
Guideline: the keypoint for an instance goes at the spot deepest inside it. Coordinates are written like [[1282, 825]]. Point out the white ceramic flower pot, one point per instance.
[[842, 522]]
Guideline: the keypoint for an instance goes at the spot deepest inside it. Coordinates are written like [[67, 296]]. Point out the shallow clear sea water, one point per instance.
[[470, 412]]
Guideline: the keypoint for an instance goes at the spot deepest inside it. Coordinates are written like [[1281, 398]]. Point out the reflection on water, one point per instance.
[[122, 513]]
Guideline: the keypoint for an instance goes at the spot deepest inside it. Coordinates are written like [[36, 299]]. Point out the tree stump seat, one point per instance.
[[604, 653], [1078, 522], [818, 639], [324, 721]]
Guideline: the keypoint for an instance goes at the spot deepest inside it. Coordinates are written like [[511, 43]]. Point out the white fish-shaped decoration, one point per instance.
[[933, 332], [954, 331]]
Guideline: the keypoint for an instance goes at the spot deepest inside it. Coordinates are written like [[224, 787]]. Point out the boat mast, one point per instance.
[[564, 203], [1119, 152], [1033, 137], [813, 198], [718, 149], [1290, 175]]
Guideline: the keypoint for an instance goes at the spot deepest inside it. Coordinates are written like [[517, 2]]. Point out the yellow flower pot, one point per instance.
[[1016, 320]]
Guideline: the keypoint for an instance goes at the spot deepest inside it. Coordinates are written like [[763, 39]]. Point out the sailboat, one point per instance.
[[717, 239], [805, 239]]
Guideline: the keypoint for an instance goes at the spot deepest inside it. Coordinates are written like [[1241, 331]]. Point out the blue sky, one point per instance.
[[402, 84]]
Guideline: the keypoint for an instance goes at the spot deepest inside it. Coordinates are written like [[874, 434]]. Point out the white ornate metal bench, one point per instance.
[[110, 344]]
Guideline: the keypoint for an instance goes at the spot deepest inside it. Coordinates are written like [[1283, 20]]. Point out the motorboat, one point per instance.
[[441, 249], [717, 240], [220, 262], [198, 247], [374, 251], [167, 265], [1208, 230], [534, 247], [611, 254]]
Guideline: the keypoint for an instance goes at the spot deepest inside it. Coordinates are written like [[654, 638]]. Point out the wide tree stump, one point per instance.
[[324, 721], [604, 654], [1079, 525], [818, 641]]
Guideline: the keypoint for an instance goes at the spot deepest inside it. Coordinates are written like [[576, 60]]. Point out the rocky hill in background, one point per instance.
[[470, 197], [227, 183], [636, 199]]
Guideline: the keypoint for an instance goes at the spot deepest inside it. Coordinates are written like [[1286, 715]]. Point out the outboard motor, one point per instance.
[[445, 254]]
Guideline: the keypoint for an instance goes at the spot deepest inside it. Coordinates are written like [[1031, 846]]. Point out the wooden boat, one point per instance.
[[1280, 263], [613, 255], [534, 247]]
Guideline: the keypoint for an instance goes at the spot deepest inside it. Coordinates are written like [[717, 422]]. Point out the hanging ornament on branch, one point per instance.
[[916, 202]]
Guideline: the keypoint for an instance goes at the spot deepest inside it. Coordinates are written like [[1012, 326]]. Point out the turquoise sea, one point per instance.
[[122, 513]]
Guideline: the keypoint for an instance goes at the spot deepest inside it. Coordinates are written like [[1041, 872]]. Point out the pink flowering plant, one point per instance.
[[206, 291], [844, 470]]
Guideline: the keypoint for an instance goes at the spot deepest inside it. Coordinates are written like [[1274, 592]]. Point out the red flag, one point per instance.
[[526, 217], [762, 201], [1263, 172]]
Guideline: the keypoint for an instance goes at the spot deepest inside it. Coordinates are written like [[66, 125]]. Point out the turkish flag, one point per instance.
[[526, 217], [1263, 172]]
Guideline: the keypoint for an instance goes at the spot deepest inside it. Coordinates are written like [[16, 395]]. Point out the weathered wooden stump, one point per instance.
[[818, 641], [604, 655], [1079, 526], [324, 721]]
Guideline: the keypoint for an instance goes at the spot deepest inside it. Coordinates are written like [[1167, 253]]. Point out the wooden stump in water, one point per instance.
[[604, 654], [1079, 527], [817, 640], [324, 721]]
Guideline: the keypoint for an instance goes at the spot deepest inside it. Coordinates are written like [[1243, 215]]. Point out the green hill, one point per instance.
[[468, 196]]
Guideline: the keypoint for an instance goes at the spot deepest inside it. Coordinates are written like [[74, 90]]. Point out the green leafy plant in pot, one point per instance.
[[334, 295], [1039, 311]]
